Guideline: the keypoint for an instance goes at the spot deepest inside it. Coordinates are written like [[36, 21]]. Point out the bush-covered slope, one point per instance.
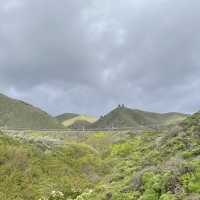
[[30, 170], [18, 114], [192, 123], [102, 166], [126, 117]]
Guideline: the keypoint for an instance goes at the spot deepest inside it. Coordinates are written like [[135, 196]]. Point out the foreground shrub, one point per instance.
[[167, 196]]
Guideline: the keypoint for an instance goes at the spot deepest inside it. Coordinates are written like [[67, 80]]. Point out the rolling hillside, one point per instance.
[[125, 117], [192, 123], [76, 121], [66, 116], [18, 114], [80, 125]]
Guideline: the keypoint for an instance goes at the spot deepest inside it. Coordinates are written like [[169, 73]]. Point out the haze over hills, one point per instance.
[[126, 117], [18, 114]]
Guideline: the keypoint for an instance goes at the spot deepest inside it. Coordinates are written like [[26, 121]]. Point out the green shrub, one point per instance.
[[192, 153], [167, 196], [191, 181]]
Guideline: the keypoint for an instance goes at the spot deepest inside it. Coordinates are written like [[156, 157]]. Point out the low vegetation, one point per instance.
[[153, 165]]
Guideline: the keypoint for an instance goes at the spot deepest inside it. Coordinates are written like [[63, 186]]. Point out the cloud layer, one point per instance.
[[88, 56]]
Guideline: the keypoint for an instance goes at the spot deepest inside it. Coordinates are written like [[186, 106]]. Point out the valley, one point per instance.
[[99, 100], [125, 155]]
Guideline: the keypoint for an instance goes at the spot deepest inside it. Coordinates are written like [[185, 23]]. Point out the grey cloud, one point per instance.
[[88, 56]]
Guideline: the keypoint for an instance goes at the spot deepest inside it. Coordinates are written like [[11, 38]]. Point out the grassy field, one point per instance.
[[87, 118]]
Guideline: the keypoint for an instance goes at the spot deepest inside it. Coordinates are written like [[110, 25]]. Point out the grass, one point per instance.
[[17, 114], [125, 117], [87, 118]]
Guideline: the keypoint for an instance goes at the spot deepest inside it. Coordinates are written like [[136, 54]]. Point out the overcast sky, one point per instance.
[[87, 56]]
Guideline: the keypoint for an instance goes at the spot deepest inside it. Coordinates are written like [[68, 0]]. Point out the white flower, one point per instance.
[[57, 194]]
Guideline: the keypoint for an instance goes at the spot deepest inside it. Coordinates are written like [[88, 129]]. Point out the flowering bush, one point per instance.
[[55, 195], [85, 195]]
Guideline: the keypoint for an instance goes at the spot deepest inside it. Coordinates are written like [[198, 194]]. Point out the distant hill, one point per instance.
[[71, 120], [122, 117], [80, 124], [192, 123], [66, 116], [18, 114]]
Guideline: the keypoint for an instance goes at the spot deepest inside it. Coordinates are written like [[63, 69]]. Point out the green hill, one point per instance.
[[80, 125], [77, 121], [125, 117], [192, 123], [66, 116], [18, 114]]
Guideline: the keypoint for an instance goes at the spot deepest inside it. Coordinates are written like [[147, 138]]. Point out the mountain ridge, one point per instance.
[[127, 117], [19, 114]]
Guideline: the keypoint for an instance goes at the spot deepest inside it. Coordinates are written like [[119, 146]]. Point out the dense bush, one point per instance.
[[101, 166]]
